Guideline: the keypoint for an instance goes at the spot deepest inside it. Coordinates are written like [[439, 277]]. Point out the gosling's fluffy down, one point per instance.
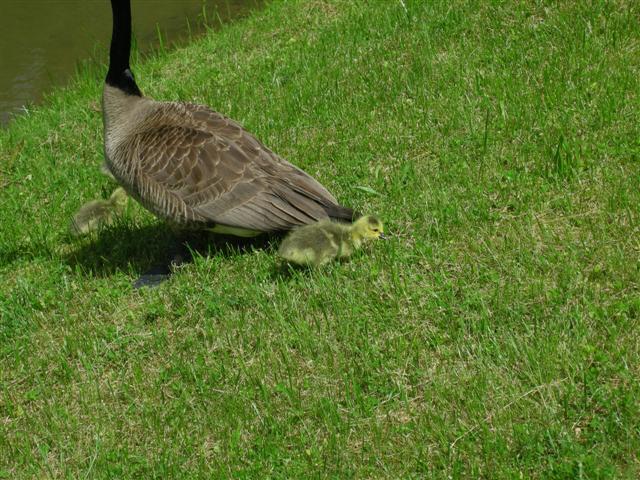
[[319, 243], [97, 213]]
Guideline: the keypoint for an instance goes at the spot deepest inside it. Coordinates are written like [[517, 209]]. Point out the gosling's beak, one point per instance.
[[383, 236]]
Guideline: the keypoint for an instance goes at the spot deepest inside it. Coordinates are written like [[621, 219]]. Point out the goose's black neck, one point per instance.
[[119, 74]]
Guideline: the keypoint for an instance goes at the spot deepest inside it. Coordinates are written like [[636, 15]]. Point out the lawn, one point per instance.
[[495, 335]]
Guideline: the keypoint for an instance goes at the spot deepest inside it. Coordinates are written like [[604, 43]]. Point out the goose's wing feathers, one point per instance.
[[214, 171]]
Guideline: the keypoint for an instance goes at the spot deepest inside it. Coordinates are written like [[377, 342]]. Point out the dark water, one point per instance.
[[42, 41]]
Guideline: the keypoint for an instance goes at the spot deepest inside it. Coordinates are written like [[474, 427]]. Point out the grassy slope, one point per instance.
[[495, 335]]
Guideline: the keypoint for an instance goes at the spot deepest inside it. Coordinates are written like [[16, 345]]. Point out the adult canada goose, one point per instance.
[[319, 243], [196, 168], [97, 213]]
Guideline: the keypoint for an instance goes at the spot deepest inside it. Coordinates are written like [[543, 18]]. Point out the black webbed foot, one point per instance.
[[179, 255]]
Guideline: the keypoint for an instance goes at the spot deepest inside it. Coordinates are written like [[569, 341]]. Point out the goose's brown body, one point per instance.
[[196, 168]]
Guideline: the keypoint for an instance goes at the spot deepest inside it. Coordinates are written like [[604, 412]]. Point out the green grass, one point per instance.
[[495, 336]]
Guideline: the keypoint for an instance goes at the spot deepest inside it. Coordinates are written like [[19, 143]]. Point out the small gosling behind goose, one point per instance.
[[97, 213], [319, 243]]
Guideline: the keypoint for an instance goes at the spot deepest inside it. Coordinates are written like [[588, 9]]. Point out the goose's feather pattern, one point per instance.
[[196, 167]]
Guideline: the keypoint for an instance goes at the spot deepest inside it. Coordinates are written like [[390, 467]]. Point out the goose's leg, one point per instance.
[[179, 254]]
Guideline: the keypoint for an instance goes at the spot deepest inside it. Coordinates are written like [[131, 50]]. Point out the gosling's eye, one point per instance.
[[376, 230]]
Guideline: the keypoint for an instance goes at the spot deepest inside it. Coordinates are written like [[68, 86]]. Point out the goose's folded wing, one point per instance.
[[222, 174]]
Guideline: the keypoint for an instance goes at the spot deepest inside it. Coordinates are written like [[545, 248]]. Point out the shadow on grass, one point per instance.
[[288, 272], [152, 249]]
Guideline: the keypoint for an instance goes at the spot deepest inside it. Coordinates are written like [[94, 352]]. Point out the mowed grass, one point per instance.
[[494, 336]]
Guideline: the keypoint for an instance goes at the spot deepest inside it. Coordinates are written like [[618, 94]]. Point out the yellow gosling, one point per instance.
[[96, 213], [319, 243]]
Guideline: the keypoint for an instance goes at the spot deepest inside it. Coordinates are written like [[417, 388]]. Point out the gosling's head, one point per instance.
[[368, 228]]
